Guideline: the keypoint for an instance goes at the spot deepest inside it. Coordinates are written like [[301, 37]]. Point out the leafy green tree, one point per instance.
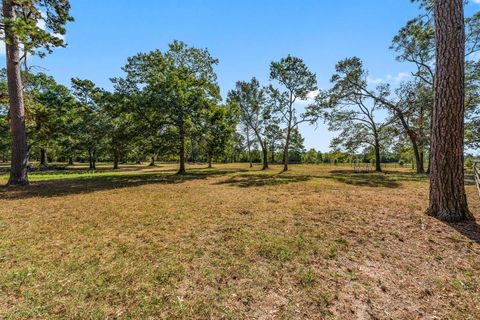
[[92, 127], [220, 123], [297, 83], [415, 44], [255, 113], [20, 28], [274, 136], [310, 157], [118, 127], [47, 112], [351, 107], [297, 147], [178, 86]]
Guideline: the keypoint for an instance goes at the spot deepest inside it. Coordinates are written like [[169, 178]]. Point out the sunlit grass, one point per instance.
[[232, 242]]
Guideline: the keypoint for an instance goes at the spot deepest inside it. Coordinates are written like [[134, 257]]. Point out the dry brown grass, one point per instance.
[[317, 242]]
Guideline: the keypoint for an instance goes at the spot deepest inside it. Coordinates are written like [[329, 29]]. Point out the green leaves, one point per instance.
[[39, 25]]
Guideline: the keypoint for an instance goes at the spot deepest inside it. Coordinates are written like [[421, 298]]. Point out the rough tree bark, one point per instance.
[[448, 200], [19, 164]]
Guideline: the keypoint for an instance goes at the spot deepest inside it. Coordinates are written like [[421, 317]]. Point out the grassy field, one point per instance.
[[318, 242]]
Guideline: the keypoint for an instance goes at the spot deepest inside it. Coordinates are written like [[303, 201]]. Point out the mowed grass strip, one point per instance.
[[233, 242]]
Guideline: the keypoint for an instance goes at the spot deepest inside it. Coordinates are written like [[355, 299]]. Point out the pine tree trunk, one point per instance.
[[19, 165], [286, 149], [209, 162], [448, 200]]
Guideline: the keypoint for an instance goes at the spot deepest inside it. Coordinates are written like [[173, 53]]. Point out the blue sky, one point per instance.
[[245, 35]]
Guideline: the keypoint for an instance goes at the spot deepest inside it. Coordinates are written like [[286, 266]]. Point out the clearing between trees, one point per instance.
[[231, 242]]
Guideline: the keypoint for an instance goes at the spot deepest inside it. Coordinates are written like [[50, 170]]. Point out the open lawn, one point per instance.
[[318, 242]]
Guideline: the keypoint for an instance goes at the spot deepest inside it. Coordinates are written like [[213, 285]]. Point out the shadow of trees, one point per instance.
[[470, 229], [105, 181], [262, 180]]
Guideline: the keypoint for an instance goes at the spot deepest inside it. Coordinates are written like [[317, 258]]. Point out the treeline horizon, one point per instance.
[[168, 103]]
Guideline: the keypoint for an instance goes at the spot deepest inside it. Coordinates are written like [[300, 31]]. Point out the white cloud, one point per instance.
[[389, 78], [310, 98]]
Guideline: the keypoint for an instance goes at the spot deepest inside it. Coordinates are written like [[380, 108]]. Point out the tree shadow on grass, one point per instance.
[[105, 181], [470, 229], [262, 180], [374, 180]]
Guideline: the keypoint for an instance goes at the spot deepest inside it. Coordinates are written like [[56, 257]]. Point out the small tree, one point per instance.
[[220, 123], [254, 112], [350, 108], [297, 83]]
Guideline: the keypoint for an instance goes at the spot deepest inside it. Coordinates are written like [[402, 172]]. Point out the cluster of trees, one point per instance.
[[168, 104]]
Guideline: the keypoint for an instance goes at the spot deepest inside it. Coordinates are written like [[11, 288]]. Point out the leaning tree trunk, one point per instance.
[[448, 200], [249, 151], [263, 145], [19, 165]]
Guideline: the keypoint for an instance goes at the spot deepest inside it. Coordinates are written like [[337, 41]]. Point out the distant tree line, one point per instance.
[[167, 106]]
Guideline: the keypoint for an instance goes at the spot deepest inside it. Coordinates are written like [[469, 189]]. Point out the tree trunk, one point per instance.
[[94, 159], [378, 164], [70, 161], [19, 165], [272, 148], [448, 200], [90, 158], [43, 157], [182, 170], [249, 151], [209, 162], [265, 156], [286, 149], [115, 160], [414, 140], [152, 161]]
